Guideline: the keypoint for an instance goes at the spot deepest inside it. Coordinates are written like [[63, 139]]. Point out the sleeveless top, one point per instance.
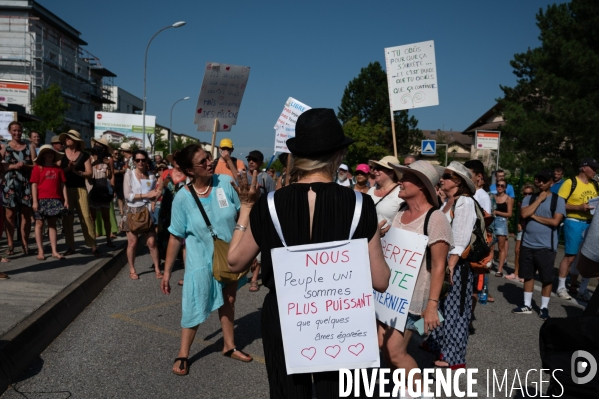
[[74, 180], [333, 213], [502, 207]]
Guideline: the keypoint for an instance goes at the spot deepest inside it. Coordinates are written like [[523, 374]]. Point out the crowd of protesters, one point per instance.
[[180, 204]]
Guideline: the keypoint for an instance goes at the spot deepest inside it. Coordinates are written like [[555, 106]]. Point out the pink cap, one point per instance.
[[363, 168]]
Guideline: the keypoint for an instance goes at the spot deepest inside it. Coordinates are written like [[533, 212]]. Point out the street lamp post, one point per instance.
[[170, 132], [143, 111]]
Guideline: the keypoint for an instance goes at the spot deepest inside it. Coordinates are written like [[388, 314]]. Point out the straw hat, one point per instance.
[[425, 172], [73, 135], [386, 162], [101, 142], [45, 148], [55, 139], [464, 173], [125, 147]]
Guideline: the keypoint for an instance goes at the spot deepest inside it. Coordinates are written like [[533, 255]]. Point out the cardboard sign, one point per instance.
[[404, 252], [285, 126], [412, 76], [220, 96], [326, 306]]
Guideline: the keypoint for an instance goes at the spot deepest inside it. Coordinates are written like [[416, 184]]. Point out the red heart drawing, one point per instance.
[[244, 69], [203, 127], [309, 353], [332, 351], [204, 87], [199, 110], [227, 68], [355, 349], [225, 126]]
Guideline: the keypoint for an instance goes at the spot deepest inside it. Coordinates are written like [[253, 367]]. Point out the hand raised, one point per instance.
[[248, 192]]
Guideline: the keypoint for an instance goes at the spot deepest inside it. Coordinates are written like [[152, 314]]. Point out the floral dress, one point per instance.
[[16, 188]]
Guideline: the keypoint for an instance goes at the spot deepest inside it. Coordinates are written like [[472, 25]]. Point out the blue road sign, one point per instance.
[[429, 147]]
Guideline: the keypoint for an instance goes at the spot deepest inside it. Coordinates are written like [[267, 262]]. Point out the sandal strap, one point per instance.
[[184, 361]]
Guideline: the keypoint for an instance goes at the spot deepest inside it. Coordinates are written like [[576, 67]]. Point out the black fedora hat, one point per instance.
[[317, 131]]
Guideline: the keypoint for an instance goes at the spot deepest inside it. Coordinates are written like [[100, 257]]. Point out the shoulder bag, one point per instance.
[[141, 221], [220, 265]]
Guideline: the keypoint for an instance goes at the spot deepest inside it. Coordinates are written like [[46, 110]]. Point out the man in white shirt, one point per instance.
[[342, 176], [477, 169]]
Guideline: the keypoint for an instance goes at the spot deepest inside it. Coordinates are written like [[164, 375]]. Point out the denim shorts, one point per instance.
[[412, 318], [574, 231], [500, 226]]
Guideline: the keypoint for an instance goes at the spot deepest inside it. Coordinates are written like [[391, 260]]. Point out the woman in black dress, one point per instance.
[[313, 210]]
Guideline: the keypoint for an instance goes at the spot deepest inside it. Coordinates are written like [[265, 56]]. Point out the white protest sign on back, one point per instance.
[[404, 252], [326, 306], [285, 125], [412, 76], [220, 96]]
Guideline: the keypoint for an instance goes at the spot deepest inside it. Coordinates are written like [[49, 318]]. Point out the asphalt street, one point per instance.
[[123, 346]]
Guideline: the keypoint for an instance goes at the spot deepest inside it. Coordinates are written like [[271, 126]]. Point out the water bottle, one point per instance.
[[484, 293]]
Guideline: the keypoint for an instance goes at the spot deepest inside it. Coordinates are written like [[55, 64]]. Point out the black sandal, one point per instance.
[[183, 366], [234, 355]]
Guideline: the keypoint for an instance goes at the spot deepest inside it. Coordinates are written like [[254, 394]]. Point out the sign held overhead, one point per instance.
[[412, 76], [285, 126], [220, 96]]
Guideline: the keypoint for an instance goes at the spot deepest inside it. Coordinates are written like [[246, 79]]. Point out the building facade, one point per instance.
[[38, 49]]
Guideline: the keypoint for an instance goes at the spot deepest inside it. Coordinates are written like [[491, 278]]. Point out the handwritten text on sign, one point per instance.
[[412, 75], [404, 252], [326, 306], [285, 126], [220, 96]]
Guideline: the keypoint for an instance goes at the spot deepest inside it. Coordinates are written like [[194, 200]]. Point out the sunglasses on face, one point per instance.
[[202, 163], [527, 193], [501, 185], [138, 160], [446, 176], [359, 173]]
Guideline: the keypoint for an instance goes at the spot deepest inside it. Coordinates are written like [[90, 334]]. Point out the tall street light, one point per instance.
[[170, 132], [143, 111]]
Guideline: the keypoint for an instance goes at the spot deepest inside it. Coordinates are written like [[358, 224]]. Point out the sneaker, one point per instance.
[[522, 310], [584, 296], [544, 314], [562, 293], [4, 276]]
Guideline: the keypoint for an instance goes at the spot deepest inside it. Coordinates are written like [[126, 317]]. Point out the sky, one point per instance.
[[308, 50]]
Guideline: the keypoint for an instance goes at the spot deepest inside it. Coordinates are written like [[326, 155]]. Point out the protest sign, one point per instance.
[[116, 128], [285, 126], [404, 252], [326, 307], [220, 96], [412, 75], [5, 118]]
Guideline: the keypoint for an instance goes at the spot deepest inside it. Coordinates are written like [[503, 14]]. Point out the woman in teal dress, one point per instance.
[[202, 294]]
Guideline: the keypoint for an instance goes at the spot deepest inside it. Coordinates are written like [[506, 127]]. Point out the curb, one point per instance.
[[20, 346]]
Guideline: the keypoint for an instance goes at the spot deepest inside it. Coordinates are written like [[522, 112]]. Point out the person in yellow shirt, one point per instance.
[[225, 161], [577, 192]]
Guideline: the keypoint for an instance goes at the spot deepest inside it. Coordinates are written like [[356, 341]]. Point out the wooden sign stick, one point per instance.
[[214, 129], [288, 170], [393, 134]]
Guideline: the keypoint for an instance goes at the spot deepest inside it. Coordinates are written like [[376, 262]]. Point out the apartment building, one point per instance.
[[37, 49]]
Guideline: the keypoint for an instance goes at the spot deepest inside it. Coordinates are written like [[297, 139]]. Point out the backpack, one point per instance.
[[479, 253], [552, 208], [575, 183]]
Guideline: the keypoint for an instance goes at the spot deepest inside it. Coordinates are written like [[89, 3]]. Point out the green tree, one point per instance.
[[161, 144], [552, 113], [50, 107], [365, 101]]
